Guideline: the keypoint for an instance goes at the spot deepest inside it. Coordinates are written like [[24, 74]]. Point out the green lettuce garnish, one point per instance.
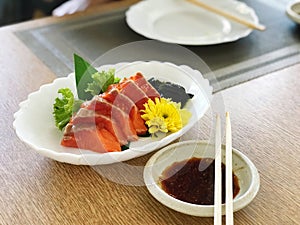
[[89, 82], [64, 107], [101, 81]]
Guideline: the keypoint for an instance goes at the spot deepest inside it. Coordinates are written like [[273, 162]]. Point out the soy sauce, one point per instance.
[[192, 181]]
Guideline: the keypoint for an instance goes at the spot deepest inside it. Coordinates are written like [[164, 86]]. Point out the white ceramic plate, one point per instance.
[[34, 123], [293, 11], [243, 168], [180, 22]]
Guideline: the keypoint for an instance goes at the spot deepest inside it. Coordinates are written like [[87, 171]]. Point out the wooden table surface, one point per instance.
[[265, 115]]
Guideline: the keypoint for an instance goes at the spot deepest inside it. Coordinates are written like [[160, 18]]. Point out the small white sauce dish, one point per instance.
[[243, 168], [293, 11]]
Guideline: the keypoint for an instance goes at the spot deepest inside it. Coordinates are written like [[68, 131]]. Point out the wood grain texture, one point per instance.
[[265, 117]]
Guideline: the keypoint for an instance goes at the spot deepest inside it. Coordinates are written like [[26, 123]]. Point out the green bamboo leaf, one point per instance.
[[83, 76]]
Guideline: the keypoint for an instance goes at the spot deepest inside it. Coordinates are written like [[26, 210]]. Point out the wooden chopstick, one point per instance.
[[228, 15], [218, 175], [229, 195], [218, 184]]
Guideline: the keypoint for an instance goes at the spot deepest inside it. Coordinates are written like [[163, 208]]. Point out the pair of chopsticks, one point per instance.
[[218, 176], [228, 15]]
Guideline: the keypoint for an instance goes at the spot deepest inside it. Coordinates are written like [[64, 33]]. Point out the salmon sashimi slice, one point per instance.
[[105, 108], [127, 105], [119, 100], [97, 140], [111, 119], [136, 94], [69, 141], [85, 116], [92, 139], [141, 82], [137, 88]]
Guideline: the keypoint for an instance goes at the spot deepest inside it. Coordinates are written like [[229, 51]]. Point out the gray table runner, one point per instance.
[[232, 63]]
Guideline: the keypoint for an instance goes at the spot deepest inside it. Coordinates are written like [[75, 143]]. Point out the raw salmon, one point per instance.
[[98, 140], [111, 119], [85, 116], [127, 105], [105, 108], [141, 82], [136, 94]]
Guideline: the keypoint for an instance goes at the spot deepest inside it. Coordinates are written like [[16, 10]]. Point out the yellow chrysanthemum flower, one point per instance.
[[163, 115]]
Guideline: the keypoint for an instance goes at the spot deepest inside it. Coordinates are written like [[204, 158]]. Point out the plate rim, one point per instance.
[[130, 13], [176, 205], [90, 159]]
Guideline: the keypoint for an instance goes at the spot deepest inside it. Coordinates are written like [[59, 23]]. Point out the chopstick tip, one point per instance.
[[261, 27]]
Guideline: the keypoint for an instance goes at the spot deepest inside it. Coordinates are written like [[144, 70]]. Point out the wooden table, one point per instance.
[[36, 190]]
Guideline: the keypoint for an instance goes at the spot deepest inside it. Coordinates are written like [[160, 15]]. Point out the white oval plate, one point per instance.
[[242, 166], [293, 11], [34, 123], [180, 22]]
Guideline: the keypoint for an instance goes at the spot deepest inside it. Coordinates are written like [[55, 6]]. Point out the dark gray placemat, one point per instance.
[[232, 63]]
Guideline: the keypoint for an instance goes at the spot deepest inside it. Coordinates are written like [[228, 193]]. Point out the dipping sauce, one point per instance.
[[193, 181]]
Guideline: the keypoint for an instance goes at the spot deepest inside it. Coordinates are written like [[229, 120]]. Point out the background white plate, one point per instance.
[[34, 123], [180, 22]]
